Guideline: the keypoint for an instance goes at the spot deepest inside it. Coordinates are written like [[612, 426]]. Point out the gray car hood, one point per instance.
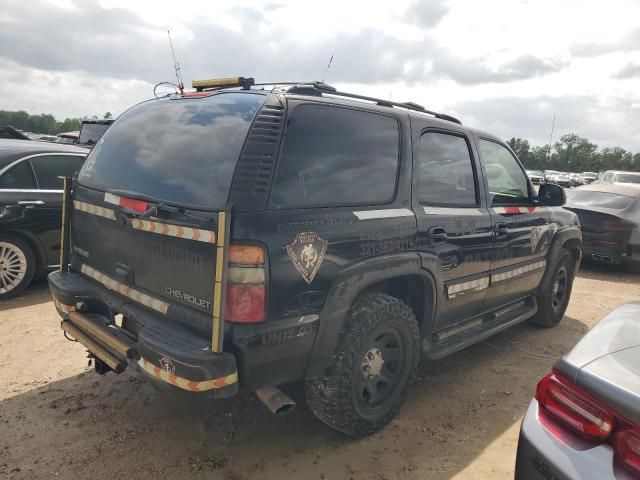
[[606, 362]]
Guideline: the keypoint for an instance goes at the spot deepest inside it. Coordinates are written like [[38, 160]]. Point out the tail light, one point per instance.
[[589, 418], [574, 408], [246, 286]]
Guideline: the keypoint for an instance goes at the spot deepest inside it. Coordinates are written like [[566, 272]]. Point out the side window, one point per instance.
[[507, 181], [446, 170], [18, 176], [49, 167], [336, 156]]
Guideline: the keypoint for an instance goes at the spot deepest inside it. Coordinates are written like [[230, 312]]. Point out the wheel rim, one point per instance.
[[380, 371], [559, 291], [13, 266]]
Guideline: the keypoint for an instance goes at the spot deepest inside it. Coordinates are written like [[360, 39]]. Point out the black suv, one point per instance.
[[247, 237]]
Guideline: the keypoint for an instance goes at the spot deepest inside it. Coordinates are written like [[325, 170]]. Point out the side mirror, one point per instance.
[[552, 195]]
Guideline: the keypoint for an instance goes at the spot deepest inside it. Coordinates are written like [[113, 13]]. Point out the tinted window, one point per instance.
[[49, 167], [176, 150], [507, 182], [90, 133], [18, 176], [336, 156], [627, 178], [588, 198], [446, 170]]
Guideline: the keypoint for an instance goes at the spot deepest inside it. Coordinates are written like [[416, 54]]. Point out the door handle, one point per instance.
[[437, 234], [501, 230], [30, 203]]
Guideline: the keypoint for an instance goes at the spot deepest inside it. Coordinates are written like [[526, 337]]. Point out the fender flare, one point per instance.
[[563, 236], [346, 287]]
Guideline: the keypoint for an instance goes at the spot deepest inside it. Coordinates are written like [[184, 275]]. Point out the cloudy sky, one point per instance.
[[504, 66]]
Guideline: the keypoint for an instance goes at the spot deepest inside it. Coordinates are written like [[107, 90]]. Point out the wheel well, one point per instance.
[[414, 290], [573, 245]]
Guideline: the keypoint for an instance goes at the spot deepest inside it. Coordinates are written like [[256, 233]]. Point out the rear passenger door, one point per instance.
[[454, 225], [522, 228]]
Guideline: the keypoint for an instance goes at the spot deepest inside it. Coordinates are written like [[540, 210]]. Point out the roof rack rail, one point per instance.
[[319, 88]]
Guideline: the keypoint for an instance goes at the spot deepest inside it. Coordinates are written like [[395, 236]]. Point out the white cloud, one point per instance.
[[574, 58]]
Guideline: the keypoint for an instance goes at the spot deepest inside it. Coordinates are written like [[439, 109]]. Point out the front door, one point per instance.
[[522, 228], [454, 224]]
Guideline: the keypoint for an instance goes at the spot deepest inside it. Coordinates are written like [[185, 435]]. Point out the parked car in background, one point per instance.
[[535, 176], [30, 208], [610, 220], [68, 138], [548, 175], [561, 178], [92, 130], [618, 177], [584, 422], [589, 177], [576, 179], [12, 133]]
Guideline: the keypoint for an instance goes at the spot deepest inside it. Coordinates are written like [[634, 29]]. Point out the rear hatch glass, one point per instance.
[[148, 217], [175, 150], [588, 198]]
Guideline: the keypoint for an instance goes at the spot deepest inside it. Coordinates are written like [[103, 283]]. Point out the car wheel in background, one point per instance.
[[17, 266]]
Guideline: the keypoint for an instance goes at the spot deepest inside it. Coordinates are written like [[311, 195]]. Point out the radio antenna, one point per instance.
[[176, 65], [328, 67]]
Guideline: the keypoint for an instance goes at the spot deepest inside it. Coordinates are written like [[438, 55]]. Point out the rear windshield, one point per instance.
[[587, 198], [90, 133], [627, 178], [179, 151]]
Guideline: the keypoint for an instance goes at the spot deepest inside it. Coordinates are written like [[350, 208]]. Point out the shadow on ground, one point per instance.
[[37, 293], [88, 426]]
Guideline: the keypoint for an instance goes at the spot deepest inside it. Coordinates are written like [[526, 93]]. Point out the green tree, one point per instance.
[[574, 153], [108, 115]]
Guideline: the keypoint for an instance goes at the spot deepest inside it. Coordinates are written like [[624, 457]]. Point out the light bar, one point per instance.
[[243, 82]]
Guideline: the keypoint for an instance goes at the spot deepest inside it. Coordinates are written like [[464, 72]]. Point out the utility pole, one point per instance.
[[553, 124]]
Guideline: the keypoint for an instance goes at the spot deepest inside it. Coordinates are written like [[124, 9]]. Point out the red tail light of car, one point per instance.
[[589, 418], [576, 409], [246, 287]]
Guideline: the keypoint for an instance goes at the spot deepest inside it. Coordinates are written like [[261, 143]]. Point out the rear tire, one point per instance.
[[553, 296], [17, 266], [376, 358]]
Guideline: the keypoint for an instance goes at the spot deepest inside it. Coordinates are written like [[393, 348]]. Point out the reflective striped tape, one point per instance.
[[94, 209], [121, 288], [174, 230], [517, 210], [139, 206], [185, 384], [62, 307], [386, 213], [516, 272], [464, 288]]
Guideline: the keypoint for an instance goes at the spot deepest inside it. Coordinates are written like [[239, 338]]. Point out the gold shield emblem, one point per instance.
[[307, 253]]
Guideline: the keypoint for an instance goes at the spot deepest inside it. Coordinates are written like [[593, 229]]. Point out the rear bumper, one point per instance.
[[165, 352], [547, 450], [254, 356], [610, 250]]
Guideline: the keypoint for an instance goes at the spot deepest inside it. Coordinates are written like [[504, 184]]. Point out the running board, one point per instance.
[[461, 335]]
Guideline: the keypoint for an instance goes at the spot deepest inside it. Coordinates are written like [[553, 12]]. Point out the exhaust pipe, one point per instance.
[[276, 400]]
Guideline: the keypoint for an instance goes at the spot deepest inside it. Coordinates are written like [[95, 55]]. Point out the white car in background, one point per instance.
[[618, 177]]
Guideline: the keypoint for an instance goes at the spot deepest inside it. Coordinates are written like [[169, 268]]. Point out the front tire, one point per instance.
[[17, 266], [376, 358], [553, 296]]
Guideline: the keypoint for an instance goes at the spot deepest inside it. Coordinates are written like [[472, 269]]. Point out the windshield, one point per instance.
[[179, 151], [90, 133], [628, 178], [589, 198]]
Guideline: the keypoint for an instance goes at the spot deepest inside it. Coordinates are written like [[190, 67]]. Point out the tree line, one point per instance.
[[44, 123], [573, 153]]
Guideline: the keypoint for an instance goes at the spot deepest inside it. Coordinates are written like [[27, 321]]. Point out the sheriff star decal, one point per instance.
[[307, 253]]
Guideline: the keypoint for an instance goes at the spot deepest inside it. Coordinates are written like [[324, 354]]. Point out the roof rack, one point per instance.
[[313, 88], [319, 88]]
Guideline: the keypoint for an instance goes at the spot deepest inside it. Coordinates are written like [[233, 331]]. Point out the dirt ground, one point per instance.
[[58, 419]]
